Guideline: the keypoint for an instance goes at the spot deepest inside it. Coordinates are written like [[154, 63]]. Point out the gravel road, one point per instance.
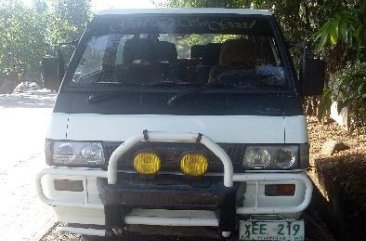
[[24, 119]]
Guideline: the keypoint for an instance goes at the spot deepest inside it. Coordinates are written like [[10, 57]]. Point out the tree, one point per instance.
[[40, 6], [341, 39], [67, 22], [68, 19], [22, 39], [29, 33], [344, 31]]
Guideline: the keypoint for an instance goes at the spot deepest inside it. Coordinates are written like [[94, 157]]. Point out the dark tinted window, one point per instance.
[[180, 51]]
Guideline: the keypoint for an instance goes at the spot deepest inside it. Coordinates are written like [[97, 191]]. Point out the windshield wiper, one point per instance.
[[177, 97], [94, 98]]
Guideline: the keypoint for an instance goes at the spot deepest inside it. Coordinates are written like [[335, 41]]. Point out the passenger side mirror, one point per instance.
[[312, 75], [53, 70]]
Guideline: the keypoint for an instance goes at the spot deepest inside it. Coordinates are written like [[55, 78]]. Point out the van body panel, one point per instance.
[[57, 128], [222, 129], [296, 129]]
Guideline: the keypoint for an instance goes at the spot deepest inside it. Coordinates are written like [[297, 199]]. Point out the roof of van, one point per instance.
[[186, 11]]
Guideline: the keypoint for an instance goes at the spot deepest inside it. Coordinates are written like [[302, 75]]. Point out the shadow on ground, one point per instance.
[[343, 178]]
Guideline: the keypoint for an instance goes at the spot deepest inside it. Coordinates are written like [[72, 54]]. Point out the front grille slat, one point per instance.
[[170, 153]]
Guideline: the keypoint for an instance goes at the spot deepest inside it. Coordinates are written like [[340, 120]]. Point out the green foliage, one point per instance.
[[68, 19], [350, 91], [346, 28], [341, 40], [29, 33], [325, 103], [22, 34]]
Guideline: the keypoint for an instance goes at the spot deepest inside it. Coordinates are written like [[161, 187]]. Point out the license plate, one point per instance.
[[272, 230]]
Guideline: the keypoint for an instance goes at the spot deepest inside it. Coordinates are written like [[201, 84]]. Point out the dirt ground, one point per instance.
[[318, 229], [340, 178], [320, 133]]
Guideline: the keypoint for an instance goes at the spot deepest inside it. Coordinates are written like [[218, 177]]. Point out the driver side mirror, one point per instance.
[[53, 66], [312, 75], [53, 70]]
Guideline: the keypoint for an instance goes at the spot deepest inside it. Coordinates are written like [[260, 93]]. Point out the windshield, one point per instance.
[[181, 52]]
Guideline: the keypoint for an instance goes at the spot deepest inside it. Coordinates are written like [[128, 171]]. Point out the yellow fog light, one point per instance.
[[193, 164], [147, 163]]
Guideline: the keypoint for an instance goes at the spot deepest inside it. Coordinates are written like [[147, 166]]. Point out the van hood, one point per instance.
[[222, 129]]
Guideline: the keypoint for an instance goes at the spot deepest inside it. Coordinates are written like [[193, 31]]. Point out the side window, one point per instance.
[[92, 59], [101, 53]]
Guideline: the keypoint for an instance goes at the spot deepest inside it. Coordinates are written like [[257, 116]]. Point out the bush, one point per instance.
[[350, 91]]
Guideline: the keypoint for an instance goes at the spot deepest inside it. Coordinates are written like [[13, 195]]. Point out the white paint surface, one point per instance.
[[223, 129], [296, 129]]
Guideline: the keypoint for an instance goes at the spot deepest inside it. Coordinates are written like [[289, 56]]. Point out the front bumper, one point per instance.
[[119, 200], [166, 197], [219, 208]]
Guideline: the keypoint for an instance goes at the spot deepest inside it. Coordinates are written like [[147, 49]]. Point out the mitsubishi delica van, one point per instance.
[[180, 122]]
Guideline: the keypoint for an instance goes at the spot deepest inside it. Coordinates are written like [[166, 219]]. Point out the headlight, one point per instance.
[[66, 153], [193, 164], [257, 157], [147, 163], [271, 157], [285, 157]]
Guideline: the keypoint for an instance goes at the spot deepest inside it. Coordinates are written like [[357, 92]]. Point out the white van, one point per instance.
[[182, 122]]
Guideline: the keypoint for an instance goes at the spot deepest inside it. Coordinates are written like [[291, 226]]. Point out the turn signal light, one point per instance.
[[279, 190], [68, 185], [147, 163], [193, 164]]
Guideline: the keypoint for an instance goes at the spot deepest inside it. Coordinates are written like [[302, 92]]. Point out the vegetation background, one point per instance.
[[28, 33]]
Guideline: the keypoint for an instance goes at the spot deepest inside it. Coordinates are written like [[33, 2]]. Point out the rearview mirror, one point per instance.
[[312, 75]]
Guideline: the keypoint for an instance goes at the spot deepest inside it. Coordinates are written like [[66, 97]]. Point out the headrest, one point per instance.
[[165, 51], [198, 51], [238, 52], [213, 53], [209, 54], [141, 50]]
